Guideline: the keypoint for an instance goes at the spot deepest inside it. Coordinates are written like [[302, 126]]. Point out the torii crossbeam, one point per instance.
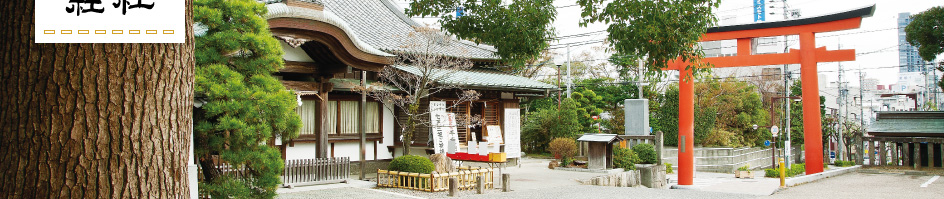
[[807, 56]]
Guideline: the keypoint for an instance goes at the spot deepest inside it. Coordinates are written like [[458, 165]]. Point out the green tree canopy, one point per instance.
[[926, 32], [518, 30], [664, 30], [241, 106], [544, 124]]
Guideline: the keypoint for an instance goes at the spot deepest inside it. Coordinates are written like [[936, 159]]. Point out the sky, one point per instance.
[[877, 36]]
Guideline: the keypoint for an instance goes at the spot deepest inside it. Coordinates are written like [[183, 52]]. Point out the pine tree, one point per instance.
[[243, 107]]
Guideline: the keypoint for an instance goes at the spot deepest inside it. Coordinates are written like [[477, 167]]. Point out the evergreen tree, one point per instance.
[[242, 108]]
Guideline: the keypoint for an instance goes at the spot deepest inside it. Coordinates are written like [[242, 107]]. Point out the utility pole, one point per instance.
[[786, 127], [786, 87], [859, 146], [569, 78], [841, 101], [558, 88]]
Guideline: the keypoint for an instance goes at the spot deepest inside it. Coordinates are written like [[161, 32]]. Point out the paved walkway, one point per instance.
[[864, 185], [727, 183]]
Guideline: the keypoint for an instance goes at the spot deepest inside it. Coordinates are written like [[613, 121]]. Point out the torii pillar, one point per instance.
[[808, 56]]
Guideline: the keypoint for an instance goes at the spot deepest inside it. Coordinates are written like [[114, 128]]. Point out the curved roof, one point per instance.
[[281, 10], [383, 25]]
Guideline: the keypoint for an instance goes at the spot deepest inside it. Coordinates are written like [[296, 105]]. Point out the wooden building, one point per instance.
[[327, 43]]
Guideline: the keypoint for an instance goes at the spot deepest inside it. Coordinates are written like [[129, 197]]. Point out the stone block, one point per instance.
[[637, 116]]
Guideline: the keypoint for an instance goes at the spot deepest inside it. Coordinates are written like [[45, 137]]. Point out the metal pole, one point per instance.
[[362, 125], [558, 88], [842, 98], [786, 144], [569, 78], [773, 154], [858, 144]]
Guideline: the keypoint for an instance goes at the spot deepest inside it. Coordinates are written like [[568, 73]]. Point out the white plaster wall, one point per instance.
[[301, 151], [294, 54]]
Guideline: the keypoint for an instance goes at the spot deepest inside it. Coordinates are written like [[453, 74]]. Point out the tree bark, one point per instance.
[[92, 120]]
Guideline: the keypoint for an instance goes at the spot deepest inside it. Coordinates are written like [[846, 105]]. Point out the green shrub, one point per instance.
[[566, 161], [796, 169], [563, 147], [624, 158], [668, 168], [746, 167], [771, 173], [646, 153], [412, 163]]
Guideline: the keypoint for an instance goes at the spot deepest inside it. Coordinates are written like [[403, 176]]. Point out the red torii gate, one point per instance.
[[807, 56]]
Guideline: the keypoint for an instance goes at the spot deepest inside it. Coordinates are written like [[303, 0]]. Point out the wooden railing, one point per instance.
[[885, 151], [315, 171], [436, 181]]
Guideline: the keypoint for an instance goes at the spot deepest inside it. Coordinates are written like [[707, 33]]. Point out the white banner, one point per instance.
[[438, 119], [513, 132], [109, 21]]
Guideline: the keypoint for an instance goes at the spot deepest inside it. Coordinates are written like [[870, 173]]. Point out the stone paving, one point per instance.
[[866, 185]]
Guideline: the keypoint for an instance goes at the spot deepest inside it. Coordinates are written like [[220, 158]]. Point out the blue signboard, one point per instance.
[[459, 12], [766, 142], [759, 10]]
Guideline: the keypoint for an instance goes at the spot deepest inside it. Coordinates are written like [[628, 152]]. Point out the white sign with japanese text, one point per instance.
[[513, 132], [110, 21], [437, 116]]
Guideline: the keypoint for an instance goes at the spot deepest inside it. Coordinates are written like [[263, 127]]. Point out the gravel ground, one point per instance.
[[347, 192], [588, 191]]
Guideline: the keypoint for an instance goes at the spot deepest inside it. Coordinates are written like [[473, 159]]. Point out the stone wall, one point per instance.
[[726, 160], [622, 179]]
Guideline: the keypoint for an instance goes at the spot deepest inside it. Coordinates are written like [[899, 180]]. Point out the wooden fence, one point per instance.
[[315, 171], [436, 181], [885, 151], [656, 140]]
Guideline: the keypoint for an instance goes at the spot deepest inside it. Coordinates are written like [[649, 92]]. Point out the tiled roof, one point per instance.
[[280, 10], [911, 123], [382, 24], [488, 79]]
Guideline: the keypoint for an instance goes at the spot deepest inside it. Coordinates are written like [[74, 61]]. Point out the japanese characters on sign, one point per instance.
[[110, 21], [513, 132]]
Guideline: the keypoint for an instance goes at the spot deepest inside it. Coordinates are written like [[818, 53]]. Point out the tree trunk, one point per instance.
[[92, 120]]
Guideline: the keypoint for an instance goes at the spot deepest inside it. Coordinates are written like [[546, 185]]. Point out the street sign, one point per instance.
[[766, 142], [774, 130], [832, 155]]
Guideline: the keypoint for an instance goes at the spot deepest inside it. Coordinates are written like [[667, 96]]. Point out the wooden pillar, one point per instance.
[[321, 136], [906, 154], [686, 139], [895, 153], [882, 153], [917, 154], [812, 120], [860, 149], [872, 152], [931, 158]]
